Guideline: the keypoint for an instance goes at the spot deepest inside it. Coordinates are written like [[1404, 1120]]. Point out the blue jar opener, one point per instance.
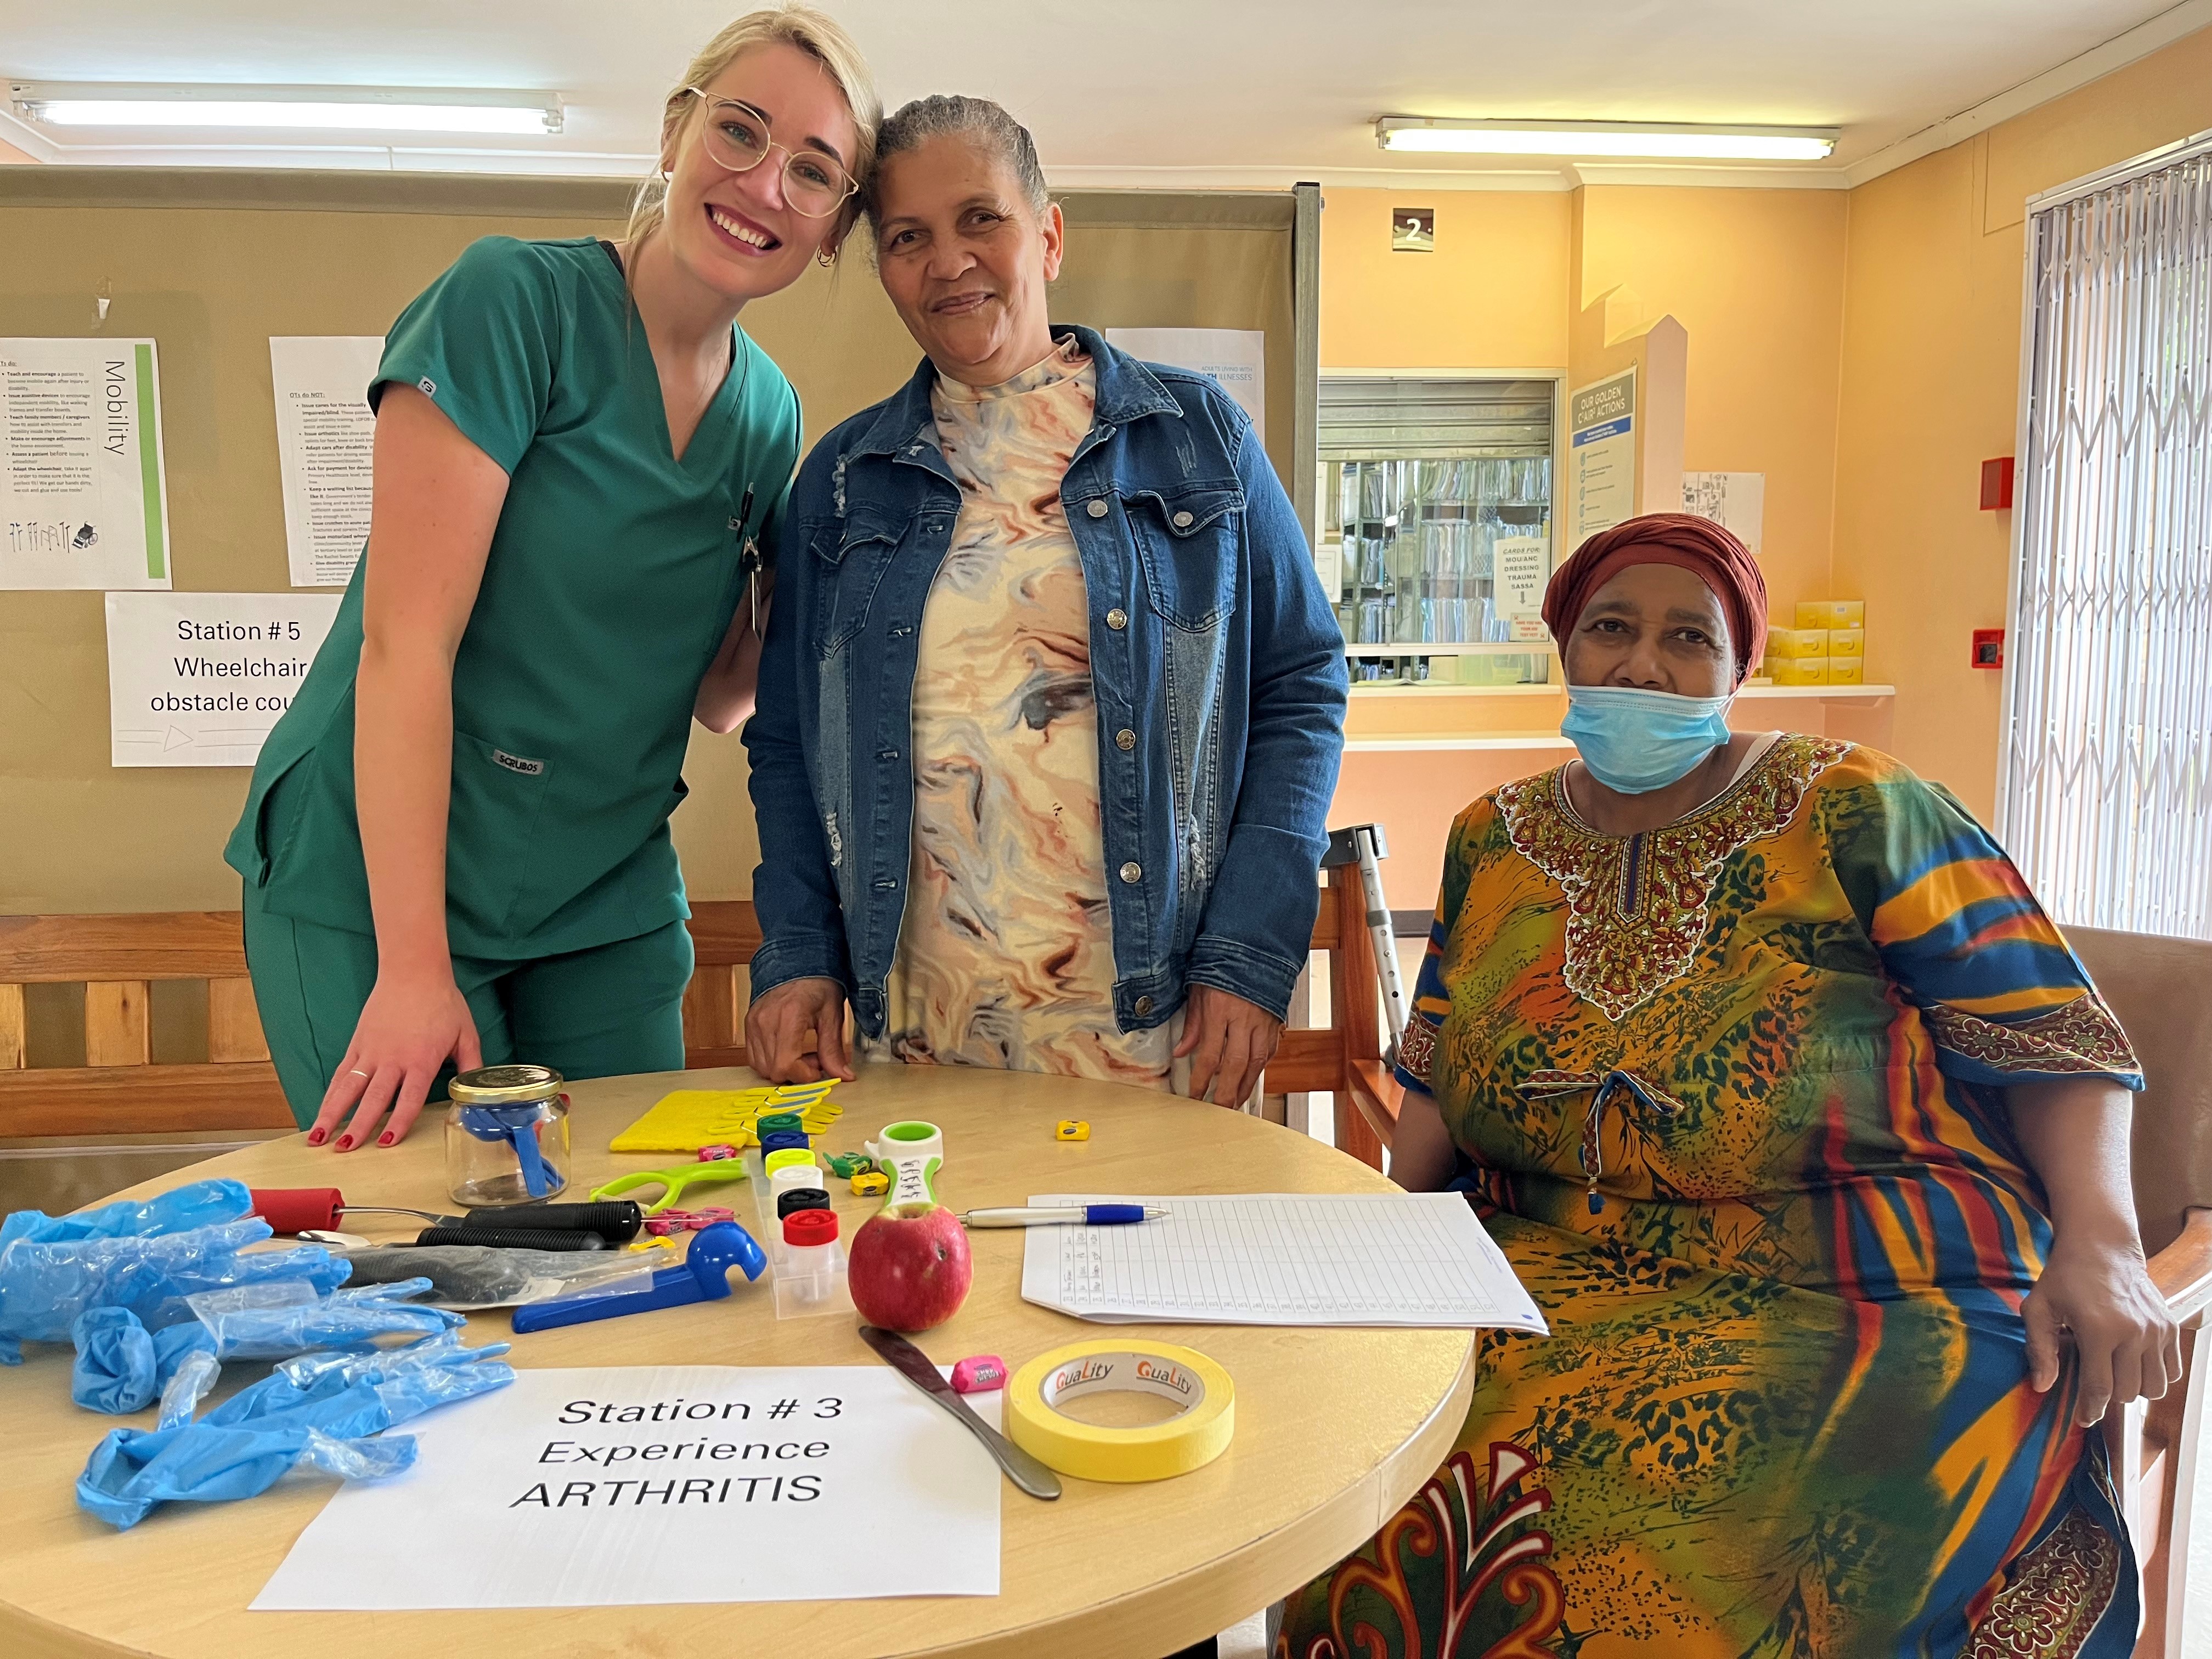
[[703, 1275]]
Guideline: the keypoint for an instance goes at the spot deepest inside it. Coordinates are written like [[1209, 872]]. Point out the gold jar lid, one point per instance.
[[504, 1085]]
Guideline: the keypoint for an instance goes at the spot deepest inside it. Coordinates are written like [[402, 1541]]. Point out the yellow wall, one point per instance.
[[1492, 295], [1930, 389], [8, 154]]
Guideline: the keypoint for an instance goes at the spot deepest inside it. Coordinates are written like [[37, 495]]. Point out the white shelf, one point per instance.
[[1471, 648], [1432, 688], [1488, 740], [1824, 693]]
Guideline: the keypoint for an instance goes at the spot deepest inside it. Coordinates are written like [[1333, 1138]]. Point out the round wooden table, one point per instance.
[[1335, 1428]]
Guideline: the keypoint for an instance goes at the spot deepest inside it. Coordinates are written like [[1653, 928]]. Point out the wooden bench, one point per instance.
[[120, 1091]]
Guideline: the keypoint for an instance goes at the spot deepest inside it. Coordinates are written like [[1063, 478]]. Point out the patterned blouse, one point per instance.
[[1006, 955]]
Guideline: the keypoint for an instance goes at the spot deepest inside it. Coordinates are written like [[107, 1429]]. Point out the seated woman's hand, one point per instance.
[[795, 1033], [2099, 1295], [408, 1029], [1230, 1042]]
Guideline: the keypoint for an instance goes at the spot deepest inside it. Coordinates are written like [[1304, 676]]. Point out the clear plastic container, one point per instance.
[[507, 1136], [810, 1267]]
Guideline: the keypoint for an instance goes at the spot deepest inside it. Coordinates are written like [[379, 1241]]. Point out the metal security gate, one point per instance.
[[2106, 783]]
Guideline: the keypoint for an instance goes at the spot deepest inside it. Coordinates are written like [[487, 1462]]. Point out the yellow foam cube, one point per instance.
[[1846, 642], [1800, 670], [1847, 670], [1831, 613], [1072, 1129], [1786, 643]]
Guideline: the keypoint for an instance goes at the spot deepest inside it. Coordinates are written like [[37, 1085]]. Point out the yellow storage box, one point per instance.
[[1847, 670], [1783, 643], [1799, 670], [1831, 613], [1846, 642]]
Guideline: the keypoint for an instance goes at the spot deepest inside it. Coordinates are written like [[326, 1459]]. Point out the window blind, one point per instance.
[[2105, 794], [1363, 416]]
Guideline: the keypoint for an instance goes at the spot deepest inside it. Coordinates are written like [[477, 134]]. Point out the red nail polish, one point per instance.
[[386, 1138], [345, 1143], [316, 1137]]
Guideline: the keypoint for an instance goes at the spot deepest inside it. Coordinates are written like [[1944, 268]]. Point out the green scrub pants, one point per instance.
[[606, 1012]]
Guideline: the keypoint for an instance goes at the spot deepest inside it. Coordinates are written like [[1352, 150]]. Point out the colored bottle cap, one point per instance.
[[792, 1199], [787, 1156], [810, 1227], [773, 1121], [776, 1140]]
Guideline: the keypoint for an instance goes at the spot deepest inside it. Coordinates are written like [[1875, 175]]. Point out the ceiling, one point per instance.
[[1184, 92]]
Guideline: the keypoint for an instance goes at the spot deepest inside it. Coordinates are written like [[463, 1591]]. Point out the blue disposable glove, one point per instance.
[[275, 1321], [120, 1364], [245, 1445], [202, 1204], [442, 1351], [44, 1286]]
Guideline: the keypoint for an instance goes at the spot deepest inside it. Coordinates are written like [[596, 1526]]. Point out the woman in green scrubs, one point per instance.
[[456, 847]]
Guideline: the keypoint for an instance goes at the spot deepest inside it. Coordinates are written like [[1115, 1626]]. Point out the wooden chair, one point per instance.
[[118, 958], [1344, 1057], [2158, 987]]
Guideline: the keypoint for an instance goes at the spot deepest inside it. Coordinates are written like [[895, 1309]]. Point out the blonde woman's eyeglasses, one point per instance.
[[737, 138]]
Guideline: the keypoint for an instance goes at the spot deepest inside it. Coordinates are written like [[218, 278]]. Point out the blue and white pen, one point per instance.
[[1065, 1215]]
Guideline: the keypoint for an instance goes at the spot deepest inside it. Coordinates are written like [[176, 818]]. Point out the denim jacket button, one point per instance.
[[1125, 740], [1096, 509], [1117, 619], [1132, 873], [1183, 521], [1144, 1006]]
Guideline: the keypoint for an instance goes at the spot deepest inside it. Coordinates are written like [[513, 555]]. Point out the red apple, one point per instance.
[[908, 1266]]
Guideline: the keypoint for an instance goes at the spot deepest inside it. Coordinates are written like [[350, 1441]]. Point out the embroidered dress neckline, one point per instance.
[[1063, 363], [1745, 776]]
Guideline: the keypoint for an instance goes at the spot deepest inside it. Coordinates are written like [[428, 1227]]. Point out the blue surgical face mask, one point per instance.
[[1634, 742]]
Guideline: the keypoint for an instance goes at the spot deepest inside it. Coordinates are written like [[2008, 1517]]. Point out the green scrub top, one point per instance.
[[611, 580]]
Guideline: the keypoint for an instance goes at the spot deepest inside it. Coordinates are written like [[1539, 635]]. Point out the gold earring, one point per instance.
[[825, 259]]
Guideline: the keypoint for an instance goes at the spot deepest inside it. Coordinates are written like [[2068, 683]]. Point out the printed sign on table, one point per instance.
[[637, 1484]]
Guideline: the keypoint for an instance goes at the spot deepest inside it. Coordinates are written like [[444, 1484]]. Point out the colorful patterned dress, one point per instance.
[[1729, 1094], [1005, 957]]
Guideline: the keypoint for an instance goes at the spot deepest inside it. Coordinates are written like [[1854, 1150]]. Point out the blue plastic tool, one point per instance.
[[702, 1276], [518, 1126]]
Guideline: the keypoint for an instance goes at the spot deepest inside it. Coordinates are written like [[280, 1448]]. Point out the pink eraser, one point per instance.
[[978, 1373], [716, 1154]]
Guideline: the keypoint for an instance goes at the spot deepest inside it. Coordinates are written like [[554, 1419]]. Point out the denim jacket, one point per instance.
[[1210, 641]]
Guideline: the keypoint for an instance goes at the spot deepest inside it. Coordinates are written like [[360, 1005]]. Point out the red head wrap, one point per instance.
[[1697, 545]]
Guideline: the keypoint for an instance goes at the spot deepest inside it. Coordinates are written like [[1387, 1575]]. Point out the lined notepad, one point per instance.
[[1409, 1259]]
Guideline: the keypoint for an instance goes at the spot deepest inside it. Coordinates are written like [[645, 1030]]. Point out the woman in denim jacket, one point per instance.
[[1051, 702]]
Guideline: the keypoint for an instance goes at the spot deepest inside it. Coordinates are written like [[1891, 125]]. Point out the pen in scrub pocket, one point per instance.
[[749, 555]]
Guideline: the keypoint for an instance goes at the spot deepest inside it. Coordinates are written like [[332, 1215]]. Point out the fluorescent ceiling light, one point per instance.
[[355, 109], [1641, 141]]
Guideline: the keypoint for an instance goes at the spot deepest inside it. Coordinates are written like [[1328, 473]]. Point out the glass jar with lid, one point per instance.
[[507, 1137]]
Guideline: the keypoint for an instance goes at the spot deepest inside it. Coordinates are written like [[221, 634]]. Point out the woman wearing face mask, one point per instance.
[[1052, 703], [1800, 1121], [456, 847]]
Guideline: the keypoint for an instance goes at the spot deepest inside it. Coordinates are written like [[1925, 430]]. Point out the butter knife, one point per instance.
[[911, 1363]]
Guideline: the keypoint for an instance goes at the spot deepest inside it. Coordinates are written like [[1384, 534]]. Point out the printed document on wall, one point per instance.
[[1237, 357], [197, 679], [83, 501], [1734, 500], [637, 1484], [1602, 456], [324, 437]]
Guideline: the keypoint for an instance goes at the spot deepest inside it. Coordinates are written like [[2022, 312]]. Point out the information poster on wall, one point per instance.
[[197, 679], [637, 1484], [324, 437], [1602, 450], [83, 500], [1524, 568], [1734, 500], [1237, 357]]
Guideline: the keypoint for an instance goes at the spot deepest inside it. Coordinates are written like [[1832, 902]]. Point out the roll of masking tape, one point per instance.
[[1193, 1437]]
